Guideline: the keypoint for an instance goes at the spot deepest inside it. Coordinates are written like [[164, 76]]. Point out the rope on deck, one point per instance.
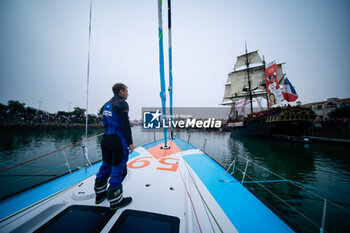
[[188, 194], [202, 198]]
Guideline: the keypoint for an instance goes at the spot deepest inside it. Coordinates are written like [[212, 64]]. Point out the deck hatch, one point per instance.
[[78, 218], [134, 221]]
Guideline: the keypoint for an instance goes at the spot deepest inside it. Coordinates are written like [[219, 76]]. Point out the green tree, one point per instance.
[[3, 108], [79, 111], [63, 113], [3, 111], [15, 107], [31, 111]]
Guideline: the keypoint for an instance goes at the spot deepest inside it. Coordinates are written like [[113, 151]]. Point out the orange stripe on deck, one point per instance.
[[158, 153]]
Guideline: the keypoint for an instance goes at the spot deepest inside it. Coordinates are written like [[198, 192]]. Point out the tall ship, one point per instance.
[[263, 101]]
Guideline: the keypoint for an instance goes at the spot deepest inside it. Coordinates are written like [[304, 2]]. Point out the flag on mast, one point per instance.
[[289, 93], [272, 86]]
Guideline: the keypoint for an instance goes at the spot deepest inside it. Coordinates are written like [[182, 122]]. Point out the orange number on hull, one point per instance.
[[173, 167], [139, 160]]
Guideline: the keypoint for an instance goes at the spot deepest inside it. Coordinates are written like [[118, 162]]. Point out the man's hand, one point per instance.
[[131, 147]]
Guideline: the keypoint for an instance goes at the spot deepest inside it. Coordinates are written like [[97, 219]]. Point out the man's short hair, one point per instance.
[[117, 87]]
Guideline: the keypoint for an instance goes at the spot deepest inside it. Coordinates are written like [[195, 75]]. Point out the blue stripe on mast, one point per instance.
[[161, 69], [171, 87], [170, 68]]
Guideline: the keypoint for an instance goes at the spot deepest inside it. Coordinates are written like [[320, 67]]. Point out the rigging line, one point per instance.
[[40, 173], [283, 201], [188, 194], [25, 178], [204, 202], [308, 186], [200, 194], [138, 138], [206, 208], [19, 164], [27, 175], [48, 167], [299, 186], [337, 205], [206, 211], [88, 74], [170, 89], [320, 190], [284, 178], [229, 166]]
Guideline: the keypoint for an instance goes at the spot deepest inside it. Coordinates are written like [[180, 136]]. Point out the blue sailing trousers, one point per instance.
[[114, 160], [115, 151], [115, 172]]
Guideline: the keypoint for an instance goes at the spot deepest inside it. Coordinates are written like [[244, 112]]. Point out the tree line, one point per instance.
[[17, 111]]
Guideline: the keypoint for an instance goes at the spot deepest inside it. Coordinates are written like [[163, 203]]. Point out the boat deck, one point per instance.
[[182, 183]]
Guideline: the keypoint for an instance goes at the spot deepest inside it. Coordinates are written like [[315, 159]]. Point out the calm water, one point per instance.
[[317, 171]]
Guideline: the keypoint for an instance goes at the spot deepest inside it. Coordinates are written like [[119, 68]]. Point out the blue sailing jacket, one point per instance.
[[111, 120]]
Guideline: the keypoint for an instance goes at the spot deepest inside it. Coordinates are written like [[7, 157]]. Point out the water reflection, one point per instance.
[[293, 160], [320, 171], [20, 146]]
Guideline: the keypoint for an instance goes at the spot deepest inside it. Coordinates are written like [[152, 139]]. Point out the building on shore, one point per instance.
[[323, 108]]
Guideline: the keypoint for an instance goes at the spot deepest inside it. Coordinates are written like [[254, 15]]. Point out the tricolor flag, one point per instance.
[[289, 93]]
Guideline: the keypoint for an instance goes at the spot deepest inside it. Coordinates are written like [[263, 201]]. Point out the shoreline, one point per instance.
[[39, 126]]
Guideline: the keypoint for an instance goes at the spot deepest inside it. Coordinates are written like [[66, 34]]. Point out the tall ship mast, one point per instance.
[[246, 83], [260, 106]]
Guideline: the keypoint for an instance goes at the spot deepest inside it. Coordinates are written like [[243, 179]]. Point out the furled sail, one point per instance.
[[253, 58]]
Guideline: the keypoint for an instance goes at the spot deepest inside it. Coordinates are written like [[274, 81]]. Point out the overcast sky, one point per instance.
[[44, 47]]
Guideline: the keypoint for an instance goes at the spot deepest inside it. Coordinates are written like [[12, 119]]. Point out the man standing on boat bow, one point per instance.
[[115, 145]]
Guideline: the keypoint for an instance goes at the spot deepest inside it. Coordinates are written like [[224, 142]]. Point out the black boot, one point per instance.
[[100, 190], [115, 198]]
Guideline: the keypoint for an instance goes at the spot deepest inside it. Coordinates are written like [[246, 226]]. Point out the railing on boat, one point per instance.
[[79, 155], [240, 164], [45, 167], [243, 165]]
